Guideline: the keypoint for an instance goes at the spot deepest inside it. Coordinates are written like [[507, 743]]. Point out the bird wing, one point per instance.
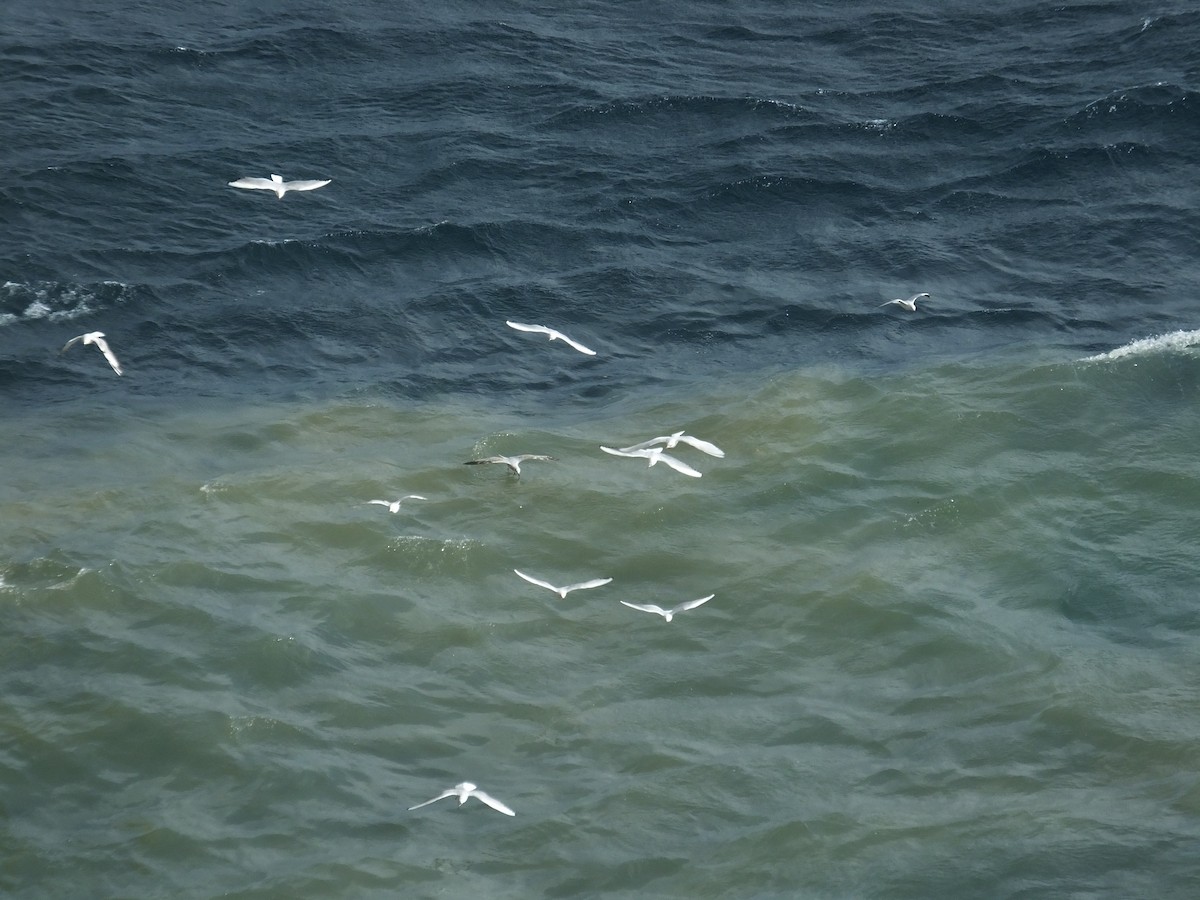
[[493, 803], [381, 502], [305, 185], [254, 184], [646, 607], [108, 354], [890, 302], [637, 452], [442, 796], [578, 346], [74, 340], [488, 459], [644, 444], [584, 585], [413, 497], [539, 329], [692, 604], [703, 446], [677, 465], [536, 581]]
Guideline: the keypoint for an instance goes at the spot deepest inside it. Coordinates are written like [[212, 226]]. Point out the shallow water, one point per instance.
[[950, 646]]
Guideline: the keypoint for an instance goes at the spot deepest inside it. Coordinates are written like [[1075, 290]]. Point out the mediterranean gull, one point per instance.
[[97, 338], [278, 185], [464, 791], [670, 441], [394, 505], [668, 614], [554, 335], [513, 462], [563, 591], [655, 455], [910, 304]]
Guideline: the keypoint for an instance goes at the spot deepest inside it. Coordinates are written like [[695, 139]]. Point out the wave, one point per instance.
[[1157, 114], [645, 110], [1163, 343]]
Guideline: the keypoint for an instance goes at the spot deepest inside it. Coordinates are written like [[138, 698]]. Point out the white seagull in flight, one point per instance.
[[394, 505], [563, 591], [910, 304], [670, 441], [513, 462], [463, 792], [97, 338], [655, 455], [278, 185], [554, 335], [668, 614]]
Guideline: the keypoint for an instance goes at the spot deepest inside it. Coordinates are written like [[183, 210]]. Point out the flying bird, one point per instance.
[[563, 591], [910, 304], [278, 185], [670, 441], [394, 505], [97, 338], [655, 455], [463, 792], [668, 614], [554, 335], [513, 462]]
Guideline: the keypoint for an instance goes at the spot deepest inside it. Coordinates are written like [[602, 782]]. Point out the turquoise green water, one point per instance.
[[952, 649]]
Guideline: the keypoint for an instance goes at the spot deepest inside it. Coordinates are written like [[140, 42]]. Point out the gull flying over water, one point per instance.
[[563, 591], [278, 185], [394, 505], [513, 462], [97, 338], [463, 792], [655, 455], [554, 335], [910, 304], [670, 441], [668, 614]]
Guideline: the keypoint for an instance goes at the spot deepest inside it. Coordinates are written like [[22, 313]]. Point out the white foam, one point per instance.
[[36, 310], [50, 300], [1176, 340]]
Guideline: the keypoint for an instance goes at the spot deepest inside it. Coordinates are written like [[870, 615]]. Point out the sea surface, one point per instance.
[[953, 649]]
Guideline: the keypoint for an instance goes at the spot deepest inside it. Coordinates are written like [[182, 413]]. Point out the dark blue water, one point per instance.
[[701, 188], [717, 198]]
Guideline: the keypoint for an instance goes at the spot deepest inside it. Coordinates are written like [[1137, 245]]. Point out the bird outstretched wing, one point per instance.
[[442, 796], [692, 604], [306, 185], [254, 184]]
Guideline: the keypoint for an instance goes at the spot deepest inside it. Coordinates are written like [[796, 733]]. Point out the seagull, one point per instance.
[[394, 505], [655, 455], [563, 591], [668, 614], [97, 338], [554, 335], [513, 462], [278, 185], [670, 441], [463, 792], [910, 304]]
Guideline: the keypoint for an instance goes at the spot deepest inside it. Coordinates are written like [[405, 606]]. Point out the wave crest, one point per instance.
[[1162, 343]]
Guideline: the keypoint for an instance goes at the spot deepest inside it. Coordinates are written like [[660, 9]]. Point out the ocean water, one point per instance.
[[952, 649]]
